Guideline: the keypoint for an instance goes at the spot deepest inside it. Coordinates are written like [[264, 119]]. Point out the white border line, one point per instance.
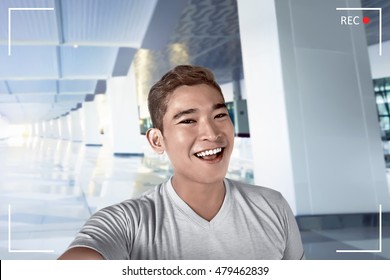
[[380, 239], [380, 21], [9, 239], [9, 21]]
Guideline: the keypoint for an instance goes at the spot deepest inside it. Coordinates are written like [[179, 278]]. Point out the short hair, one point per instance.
[[181, 75]]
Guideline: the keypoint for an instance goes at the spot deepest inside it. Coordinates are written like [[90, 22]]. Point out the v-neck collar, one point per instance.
[[192, 215]]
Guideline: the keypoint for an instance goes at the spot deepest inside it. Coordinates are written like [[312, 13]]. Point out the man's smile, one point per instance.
[[211, 155]]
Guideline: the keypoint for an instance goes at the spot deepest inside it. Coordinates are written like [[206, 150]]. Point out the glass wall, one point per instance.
[[382, 95]]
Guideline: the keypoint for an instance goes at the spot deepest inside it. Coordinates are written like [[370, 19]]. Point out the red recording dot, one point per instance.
[[366, 20]]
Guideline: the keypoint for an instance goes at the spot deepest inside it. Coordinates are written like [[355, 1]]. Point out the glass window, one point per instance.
[[382, 96]]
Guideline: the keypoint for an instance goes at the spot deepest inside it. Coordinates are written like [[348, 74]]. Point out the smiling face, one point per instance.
[[198, 134]]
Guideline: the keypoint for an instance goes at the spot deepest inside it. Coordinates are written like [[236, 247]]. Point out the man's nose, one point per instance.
[[209, 131]]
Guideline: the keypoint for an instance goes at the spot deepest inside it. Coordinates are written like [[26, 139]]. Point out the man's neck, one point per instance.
[[204, 199]]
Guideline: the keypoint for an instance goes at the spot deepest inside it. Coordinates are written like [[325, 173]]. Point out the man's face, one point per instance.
[[198, 134]]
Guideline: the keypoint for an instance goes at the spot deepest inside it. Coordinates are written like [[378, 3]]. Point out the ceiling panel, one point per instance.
[[102, 22], [28, 62], [34, 27], [87, 62], [77, 86], [32, 86], [28, 26], [75, 98], [36, 98]]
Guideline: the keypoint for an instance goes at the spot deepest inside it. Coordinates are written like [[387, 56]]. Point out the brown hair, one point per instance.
[[181, 75]]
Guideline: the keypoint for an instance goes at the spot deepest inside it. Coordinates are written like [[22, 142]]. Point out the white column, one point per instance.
[[57, 128], [125, 126], [65, 131], [41, 129], [311, 107], [36, 127], [46, 129], [92, 136], [31, 130], [75, 125], [50, 128]]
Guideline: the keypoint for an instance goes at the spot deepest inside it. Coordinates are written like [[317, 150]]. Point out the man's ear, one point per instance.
[[155, 139]]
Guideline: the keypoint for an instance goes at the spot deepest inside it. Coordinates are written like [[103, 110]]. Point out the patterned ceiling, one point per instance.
[[207, 34]]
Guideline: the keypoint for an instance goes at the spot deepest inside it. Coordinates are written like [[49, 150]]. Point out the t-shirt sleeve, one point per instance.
[[108, 232], [294, 248]]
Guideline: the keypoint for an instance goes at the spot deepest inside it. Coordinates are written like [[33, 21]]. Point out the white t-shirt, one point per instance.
[[253, 223]]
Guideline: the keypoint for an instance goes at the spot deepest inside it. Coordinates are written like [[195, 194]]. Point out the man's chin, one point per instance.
[[201, 175], [208, 179]]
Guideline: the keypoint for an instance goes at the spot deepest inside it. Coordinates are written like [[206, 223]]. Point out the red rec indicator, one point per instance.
[[366, 20]]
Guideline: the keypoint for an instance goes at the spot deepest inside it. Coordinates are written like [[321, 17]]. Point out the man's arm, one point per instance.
[[81, 253]]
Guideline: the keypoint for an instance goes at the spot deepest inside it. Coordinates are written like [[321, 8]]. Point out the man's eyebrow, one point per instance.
[[183, 113], [219, 106]]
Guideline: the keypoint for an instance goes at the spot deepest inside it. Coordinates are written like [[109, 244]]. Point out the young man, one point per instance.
[[198, 213]]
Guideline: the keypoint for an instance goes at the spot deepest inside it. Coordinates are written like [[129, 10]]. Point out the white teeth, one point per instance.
[[209, 152]]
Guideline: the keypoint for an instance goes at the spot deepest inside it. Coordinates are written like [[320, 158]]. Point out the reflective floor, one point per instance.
[[48, 188]]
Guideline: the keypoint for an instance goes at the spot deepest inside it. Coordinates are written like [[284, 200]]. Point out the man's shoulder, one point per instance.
[[143, 202], [256, 192]]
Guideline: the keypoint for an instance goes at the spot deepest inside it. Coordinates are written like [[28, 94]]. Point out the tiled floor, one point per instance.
[[322, 245], [52, 186]]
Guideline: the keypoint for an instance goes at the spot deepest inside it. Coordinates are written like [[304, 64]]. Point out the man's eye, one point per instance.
[[187, 121], [221, 115]]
